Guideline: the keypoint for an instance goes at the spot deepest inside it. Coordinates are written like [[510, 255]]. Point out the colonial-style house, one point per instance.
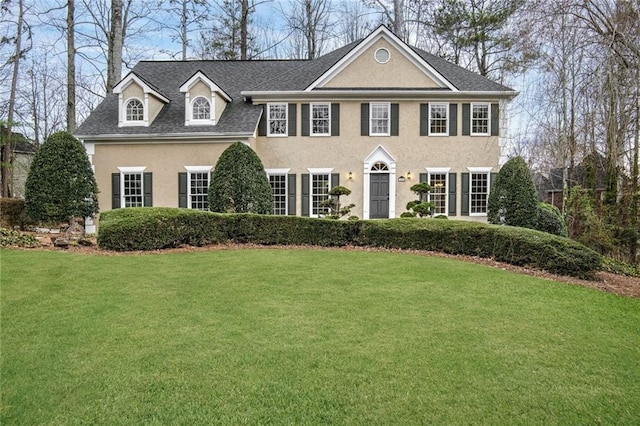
[[375, 116]]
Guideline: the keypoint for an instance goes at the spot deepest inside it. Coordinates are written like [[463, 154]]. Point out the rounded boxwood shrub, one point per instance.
[[239, 183], [513, 199], [61, 184], [550, 220]]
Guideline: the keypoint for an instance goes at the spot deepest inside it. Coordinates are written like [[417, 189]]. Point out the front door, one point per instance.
[[379, 192]]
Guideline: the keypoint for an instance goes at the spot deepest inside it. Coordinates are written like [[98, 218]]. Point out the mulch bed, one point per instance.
[[605, 281]]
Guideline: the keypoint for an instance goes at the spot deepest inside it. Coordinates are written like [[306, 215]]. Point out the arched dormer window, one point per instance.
[[201, 109], [134, 110], [204, 101]]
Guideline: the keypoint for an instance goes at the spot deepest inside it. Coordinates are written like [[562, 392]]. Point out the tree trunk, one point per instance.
[[6, 170], [71, 68], [183, 30], [244, 30], [116, 35]]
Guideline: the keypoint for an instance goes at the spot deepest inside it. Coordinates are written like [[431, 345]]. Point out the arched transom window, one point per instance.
[[201, 109], [379, 167], [135, 110]]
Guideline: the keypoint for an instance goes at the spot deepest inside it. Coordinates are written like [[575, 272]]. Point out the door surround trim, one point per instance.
[[378, 155]]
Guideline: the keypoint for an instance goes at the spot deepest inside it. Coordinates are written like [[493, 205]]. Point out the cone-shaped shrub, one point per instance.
[[513, 200], [61, 184], [239, 183]]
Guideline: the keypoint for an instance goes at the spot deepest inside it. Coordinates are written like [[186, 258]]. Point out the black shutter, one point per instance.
[[335, 119], [452, 194], [262, 124], [453, 119], [424, 119], [364, 119], [495, 120], [335, 180], [305, 194], [395, 119], [464, 208], [182, 190], [148, 189], [466, 119], [305, 119], [115, 190], [292, 119], [291, 195]]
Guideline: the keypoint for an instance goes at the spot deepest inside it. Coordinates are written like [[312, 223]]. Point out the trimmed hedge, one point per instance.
[[156, 228], [517, 246]]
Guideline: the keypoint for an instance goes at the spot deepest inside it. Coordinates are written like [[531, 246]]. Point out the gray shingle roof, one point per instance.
[[235, 77]]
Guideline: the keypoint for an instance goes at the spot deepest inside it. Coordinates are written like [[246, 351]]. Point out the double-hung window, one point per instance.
[[198, 189], [277, 119], [320, 119], [479, 193], [438, 193], [380, 118], [438, 119], [320, 185], [480, 119], [131, 186], [278, 182]]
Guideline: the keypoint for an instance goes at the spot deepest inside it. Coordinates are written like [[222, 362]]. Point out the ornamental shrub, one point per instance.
[[550, 220], [239, 183], [13, 213], [513, 199], [61, 184]]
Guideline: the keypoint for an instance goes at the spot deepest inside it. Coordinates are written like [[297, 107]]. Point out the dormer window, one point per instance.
[[201, 109], [204, 101], [138, 103], [135, 110]]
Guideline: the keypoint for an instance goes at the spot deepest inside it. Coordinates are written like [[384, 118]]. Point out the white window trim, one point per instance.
[[445, 171], [371, 104], [131, 170], [328, 105], [195, 169], [286, 120], [145, 112], [488, 105], [189, 121], [375, 55], [282, 172], [321, 171], [446, 106], [487, 171]]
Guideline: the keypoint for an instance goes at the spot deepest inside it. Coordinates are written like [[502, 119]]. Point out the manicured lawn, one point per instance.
[[307, 336]]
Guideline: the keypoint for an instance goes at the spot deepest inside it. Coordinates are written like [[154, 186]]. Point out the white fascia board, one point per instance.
[[206, 80], [337, 95], [130, 78], [381, 33]]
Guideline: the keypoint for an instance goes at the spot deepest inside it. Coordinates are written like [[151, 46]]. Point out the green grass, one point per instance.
[[307, 336]]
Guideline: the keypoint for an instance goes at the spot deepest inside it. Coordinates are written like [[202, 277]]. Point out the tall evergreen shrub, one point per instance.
[[239, 183], [61, 184], [513, 200]]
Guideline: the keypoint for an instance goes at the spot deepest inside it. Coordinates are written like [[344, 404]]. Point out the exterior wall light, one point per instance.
[[409, 175], [350, 175]]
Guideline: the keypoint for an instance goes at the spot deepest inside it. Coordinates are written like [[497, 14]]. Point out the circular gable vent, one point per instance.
[[382, 55]]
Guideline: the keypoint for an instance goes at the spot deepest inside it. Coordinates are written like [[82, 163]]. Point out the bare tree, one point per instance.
[[71, 67], [354, 21], [308, 21], [6, 151], [192, 13]]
